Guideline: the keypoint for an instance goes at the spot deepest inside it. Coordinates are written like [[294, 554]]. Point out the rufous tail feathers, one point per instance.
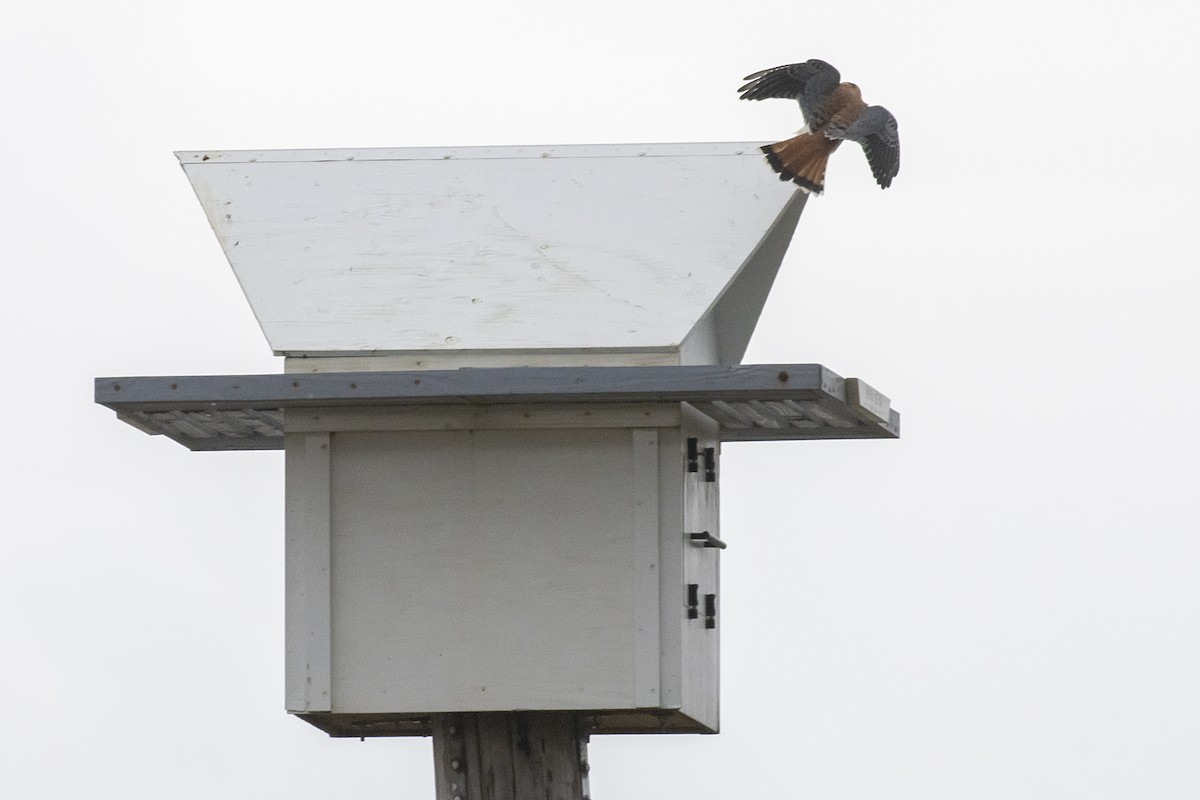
[[802, 159]]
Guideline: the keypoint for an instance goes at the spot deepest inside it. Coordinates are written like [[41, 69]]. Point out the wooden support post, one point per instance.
[[510, 755]]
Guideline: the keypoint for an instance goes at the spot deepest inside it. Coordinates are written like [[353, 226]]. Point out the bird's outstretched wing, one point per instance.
[[809, 84], [875, 129]]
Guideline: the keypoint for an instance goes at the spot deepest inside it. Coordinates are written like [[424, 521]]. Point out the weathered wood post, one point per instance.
[[501, 754], [508, 376]]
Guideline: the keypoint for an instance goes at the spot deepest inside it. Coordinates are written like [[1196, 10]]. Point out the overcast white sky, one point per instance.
[[1002, 604]]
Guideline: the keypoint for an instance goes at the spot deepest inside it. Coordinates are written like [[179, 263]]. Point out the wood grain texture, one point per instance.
[[508, 756]]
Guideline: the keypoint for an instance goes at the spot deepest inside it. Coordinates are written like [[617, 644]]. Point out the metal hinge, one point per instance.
[[705, 539]]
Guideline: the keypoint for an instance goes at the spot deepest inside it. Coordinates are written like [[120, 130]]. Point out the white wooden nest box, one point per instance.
[[509, 375]]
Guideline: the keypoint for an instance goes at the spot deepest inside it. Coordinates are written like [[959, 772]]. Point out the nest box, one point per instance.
[[509, 373]]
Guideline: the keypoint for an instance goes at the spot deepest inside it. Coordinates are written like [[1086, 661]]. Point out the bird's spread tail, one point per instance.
[[802, 159]]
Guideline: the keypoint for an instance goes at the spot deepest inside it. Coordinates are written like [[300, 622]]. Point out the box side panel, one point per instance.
[[671, 593], [702, 627], [647, 589], [307, 627], [483, 570]]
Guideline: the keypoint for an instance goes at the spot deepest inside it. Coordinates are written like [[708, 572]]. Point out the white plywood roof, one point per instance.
[[567, 248]]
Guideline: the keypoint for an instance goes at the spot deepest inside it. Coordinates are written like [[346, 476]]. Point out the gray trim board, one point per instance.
[[751, 403]]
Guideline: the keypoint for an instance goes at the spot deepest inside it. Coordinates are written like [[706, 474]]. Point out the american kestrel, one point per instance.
[[833, 111]]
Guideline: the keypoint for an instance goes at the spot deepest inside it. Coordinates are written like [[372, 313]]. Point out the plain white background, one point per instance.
[[1002, 604]]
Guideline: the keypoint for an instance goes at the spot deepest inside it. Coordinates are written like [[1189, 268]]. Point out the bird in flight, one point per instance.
[[833, 112]]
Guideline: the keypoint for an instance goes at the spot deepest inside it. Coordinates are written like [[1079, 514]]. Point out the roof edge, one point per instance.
[[193, 158]]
